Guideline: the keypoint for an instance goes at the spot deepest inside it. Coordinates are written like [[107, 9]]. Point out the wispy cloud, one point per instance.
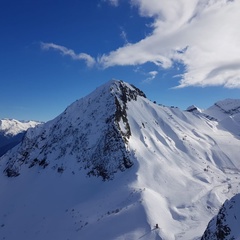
[[123, 35], [204, 35], [114, 3], [151, 75], [90, 61]]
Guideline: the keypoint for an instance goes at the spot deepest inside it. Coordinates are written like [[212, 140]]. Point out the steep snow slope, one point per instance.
[[11, 132], [187, 164], [225, 225], [160, 165]]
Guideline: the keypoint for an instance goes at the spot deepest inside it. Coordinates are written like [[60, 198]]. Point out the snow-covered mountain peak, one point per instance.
[[226, 112], [125, 91], [91, 133], [14, 127], [109, 92], [230, 106], [223, 109], [12, 131], [194, 109]]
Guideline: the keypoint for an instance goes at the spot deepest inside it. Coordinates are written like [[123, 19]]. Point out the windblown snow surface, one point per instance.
[[171, 167]]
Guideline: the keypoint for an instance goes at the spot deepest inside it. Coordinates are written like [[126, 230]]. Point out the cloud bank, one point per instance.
[[203, 35]]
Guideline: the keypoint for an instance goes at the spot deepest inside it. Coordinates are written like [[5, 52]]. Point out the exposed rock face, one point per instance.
[[125, 94]]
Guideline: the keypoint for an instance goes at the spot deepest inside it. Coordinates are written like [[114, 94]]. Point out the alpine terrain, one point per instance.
[[225, 225], [12, 131], [115, 165]]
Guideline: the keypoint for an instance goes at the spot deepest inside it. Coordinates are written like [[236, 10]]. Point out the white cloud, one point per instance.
[[204, 35], [151, 75], [90, 61]]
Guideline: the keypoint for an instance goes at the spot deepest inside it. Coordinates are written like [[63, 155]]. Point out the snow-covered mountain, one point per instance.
[[223, 109], [225, 225], [112, 166], [227, 113], [12, 131]]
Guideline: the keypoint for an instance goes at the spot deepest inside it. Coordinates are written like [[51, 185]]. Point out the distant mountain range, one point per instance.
[[114, 164], [12, 132]]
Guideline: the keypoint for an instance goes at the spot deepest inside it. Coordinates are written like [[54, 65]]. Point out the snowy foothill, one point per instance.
[[115, 165]]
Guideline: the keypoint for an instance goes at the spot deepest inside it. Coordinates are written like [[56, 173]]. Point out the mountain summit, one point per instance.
[[227, 113], [115, 165], [224, 108], [93, 132]]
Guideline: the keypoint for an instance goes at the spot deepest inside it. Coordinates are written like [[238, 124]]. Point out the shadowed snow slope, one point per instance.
[[112, 166]]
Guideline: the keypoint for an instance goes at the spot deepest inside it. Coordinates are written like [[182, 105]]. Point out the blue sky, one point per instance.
[[179, 52]]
